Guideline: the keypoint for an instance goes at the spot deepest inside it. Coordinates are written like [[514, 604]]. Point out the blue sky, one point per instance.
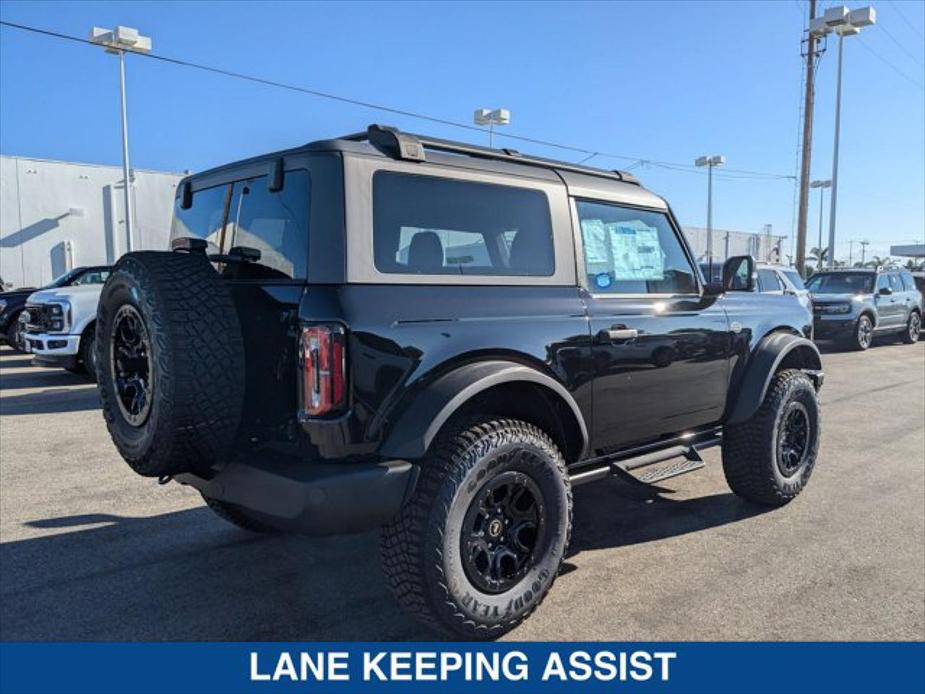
[[658, 81]]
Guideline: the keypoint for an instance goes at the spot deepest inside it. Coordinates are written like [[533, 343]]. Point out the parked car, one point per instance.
[[58, 326], [853, 306], [13, 302], [770, 279], [443, 340]]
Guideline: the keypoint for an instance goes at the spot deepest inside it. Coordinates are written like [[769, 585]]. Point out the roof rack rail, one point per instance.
[[411, 147]]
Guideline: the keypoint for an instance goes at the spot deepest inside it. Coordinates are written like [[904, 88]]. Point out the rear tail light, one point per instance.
[[323, 364]]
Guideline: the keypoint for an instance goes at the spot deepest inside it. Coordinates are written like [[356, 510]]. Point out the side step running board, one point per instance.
[[690, 461]]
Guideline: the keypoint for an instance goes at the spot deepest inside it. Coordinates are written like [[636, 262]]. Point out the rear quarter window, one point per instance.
[[437, 226], [246, 213]]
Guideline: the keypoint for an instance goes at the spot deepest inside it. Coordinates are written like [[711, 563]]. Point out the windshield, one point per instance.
[[841, 283], [65, 279]]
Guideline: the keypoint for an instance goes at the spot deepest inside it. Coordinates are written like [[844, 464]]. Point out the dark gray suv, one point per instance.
[[852, 306]]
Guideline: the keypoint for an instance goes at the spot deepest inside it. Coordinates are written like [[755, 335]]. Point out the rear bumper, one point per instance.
[[313, 498]]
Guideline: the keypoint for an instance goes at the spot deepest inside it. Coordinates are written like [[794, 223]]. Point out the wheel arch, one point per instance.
[[777, 351], [498, 388]]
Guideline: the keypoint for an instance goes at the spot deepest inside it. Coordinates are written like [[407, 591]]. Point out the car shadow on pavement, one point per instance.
[[614, 514], [15, 362], [53, 400], [188, 575]]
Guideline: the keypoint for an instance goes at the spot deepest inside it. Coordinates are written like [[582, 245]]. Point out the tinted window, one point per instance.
[[205, 219], [246, 213], [882, 282], [841, 283], [630, 251], [908, 282], [97, 276], [439, 226], [794, 278], [896, 284], [767, 281], [274, 223]]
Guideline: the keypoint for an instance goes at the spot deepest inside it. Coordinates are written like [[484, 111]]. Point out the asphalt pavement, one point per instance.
[[89, 550]]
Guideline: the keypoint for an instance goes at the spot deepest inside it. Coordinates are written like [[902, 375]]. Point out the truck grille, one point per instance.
[[39, 318]]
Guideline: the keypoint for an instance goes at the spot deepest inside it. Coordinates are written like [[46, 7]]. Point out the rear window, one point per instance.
[[767, 281], [246, 213], [438, 226], [794, 277]]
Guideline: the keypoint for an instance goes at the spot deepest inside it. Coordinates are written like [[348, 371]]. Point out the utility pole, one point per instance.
[[850, 252], [807, 145], [864, 245]]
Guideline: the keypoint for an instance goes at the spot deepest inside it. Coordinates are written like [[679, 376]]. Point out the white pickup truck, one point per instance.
[[58, 327]]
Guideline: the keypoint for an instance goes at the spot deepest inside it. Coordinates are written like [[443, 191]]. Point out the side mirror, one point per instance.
[[885, 291], [739, 274]]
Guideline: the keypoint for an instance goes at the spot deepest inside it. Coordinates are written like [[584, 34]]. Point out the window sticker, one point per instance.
[[637, 252], [603, 280]]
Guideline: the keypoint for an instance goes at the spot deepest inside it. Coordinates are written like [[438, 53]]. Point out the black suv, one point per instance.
[[443, 340], [852, 306]]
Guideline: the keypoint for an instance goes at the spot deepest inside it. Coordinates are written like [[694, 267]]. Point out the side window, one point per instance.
[[440, 226], [882, 283], [767, 281], [274, 223], [795, 279], [246, 213], [896, 284], [908, 281], [205, 219], [630, 251]]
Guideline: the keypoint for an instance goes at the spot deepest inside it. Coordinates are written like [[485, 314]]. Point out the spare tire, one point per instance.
[[170, 363]]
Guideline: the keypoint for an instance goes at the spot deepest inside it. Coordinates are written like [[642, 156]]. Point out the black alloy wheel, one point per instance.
[[131, 366], [501, 531], [794, 437]]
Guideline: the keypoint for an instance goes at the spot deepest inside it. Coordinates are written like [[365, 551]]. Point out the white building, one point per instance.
[[57, 215]]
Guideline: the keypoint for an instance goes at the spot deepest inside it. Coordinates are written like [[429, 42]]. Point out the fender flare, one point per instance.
[[416, 428], [767, 357]]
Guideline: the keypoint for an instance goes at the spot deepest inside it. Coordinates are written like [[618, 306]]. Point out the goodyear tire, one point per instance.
[[170, 363], [479, 544], [769, 458]]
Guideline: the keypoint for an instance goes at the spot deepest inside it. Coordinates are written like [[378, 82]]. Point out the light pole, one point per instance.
[[491, 118], [710, 162], [843, 23], [864, 245], [821, 185], [118, 41]]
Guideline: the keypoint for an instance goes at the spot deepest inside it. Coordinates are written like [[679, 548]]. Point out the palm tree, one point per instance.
[[818, 255], [877, 261]]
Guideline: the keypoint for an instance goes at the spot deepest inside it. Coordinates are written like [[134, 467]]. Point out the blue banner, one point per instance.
[[447, 668]]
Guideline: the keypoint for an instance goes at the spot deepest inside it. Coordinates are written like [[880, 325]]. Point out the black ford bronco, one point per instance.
[[441, 339]]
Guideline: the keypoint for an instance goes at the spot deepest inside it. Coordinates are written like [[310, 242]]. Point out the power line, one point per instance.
[[687, 168], [906, 20], [901, 47], [889, 64]]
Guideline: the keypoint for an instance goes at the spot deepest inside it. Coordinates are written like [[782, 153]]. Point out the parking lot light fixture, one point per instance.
[[842, 22], [118, 41], [491, 118], [710, 161]]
